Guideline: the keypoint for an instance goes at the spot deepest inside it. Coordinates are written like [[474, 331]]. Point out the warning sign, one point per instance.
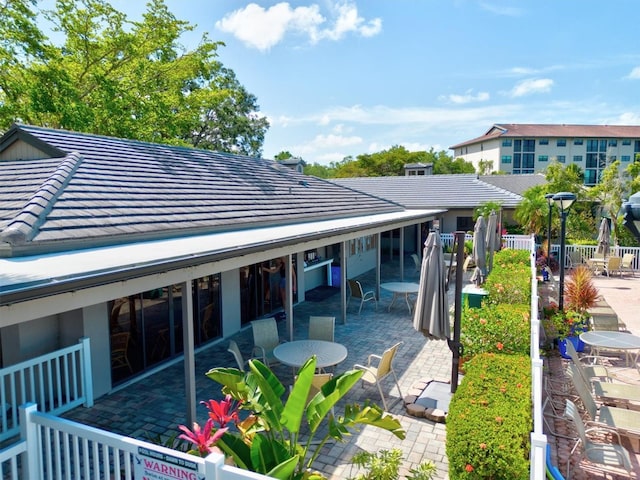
[[153, 465]]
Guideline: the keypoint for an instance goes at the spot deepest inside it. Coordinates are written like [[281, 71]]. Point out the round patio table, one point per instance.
[[399, 289], [296, 353], [606, 340]]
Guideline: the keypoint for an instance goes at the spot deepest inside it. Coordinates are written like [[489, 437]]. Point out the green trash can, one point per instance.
[[472, 296]]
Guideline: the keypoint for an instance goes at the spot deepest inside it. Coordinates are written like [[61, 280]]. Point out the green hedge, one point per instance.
[[489, 420], [496, 329], [510, 279]]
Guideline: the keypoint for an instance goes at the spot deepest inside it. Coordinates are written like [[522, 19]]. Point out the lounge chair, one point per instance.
[[612, 265], [608, 456], [358, 293], [374, 374], [627, 264]]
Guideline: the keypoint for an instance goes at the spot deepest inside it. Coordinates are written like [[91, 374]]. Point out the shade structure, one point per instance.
[[431, 314], [492, 225], [479, 251], [604, 234]]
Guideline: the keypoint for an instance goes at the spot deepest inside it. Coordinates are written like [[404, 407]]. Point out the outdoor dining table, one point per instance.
[[297, 352], [610, 340], [399, 289]]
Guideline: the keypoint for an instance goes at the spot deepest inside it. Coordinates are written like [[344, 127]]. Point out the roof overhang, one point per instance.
[[27, 278]]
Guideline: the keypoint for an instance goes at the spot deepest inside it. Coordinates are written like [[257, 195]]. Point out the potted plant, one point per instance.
[[567, 325]]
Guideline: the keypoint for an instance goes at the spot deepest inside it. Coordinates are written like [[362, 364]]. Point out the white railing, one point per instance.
[[59, 381], [537, 456], [52, 448]]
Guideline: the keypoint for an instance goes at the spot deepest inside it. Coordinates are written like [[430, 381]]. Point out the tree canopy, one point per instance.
[[129, 79]]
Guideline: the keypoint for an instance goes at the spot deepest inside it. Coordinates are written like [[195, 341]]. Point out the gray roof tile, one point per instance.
[[107, 190]]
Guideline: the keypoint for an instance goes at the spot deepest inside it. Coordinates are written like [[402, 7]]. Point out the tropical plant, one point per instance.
[[268, 440], [385, 464], [562, 324], [580, 294]]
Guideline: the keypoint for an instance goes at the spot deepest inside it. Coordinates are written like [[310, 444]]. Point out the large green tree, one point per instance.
[[112, 76]]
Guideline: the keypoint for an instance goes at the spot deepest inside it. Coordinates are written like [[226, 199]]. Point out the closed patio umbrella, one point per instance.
[[492, 224], [431, 314], [479, 251], [604, 237]]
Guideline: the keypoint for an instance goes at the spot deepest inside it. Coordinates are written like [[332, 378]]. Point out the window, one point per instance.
[[561, 158], [577, 141], [524, 156], [625, 158], [543, 158], [626, 141], [544, 141], [506, 159], [464, 224], [506, 142], [577, 158], [613, 143], [561, 142]]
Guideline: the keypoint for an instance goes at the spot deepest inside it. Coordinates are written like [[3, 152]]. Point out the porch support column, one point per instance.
[[401, 250], [288, 308], [189, 351], [378, 260], [343, 279]]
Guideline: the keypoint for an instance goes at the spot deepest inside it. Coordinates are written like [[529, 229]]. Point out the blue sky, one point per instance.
[[339, 78]]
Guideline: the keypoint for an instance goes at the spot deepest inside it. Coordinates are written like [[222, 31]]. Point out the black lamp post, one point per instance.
[[631, 213], [549, 197], [563, 201]]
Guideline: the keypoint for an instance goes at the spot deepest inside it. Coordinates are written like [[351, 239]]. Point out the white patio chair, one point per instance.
[[265, 339], [357, 292], [374, 374], [321, 328]]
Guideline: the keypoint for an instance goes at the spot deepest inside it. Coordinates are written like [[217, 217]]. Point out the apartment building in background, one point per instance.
[[529, 148]]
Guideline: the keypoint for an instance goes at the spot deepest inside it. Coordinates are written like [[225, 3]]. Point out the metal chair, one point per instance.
[[597, 451], [417, 262], [237, 355], [357, 292], [612, 265], [375, 374], [627, 264], [265, 339], [321, 328], [119, 347]]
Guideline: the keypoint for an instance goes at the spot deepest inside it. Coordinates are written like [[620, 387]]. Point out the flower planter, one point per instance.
[[577, 343]]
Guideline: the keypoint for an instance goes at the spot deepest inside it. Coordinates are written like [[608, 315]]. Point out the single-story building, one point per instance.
[[170, 248]]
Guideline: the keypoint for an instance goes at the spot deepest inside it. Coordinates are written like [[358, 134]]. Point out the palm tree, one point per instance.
[[533, 210]]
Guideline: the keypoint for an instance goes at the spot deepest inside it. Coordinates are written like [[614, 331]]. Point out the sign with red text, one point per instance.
[[154, 465]]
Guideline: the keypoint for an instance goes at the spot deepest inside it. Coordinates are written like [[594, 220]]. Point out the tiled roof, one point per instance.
[[515, 183], [555, 131], [433, 191], [106, 191]]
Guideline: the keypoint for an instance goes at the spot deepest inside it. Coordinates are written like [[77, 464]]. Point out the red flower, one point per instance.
[[499, 346], [222, 412], [469, 468], [203, 438], [483, 446]]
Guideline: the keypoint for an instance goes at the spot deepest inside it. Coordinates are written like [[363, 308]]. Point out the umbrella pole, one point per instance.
[[454, 344]]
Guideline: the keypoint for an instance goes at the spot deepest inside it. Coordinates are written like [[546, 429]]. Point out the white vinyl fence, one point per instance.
[[58, 382], [52, 448]]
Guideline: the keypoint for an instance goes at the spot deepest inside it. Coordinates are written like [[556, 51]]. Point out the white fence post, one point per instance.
[[29, 433], [87, 376]]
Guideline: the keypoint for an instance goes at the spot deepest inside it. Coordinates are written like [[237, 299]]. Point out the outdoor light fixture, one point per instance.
[[563, 201], [631, 215], [550, 202]]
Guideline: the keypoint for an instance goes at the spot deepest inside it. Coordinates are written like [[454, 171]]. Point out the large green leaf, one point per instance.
[[268, 454], [232, 381], [330, 393], [269, 405], [234, 447], [369, 414], [295, 406]]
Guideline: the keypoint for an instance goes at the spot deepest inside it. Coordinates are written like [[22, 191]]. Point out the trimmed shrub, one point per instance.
[[496, 329], [489, 420]]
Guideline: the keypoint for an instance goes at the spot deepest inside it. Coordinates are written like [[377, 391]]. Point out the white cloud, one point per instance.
[[530, 86], [262, 28], [634, 74], [333, 141], [627, 118], [507, 11], [467, 97]]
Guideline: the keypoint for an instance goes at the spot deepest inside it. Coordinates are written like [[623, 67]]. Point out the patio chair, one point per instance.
[[321, 328], [237, 355], [625, 421], [375, 374], [596, 449], [612, 265], [119, 347], [574, 259], [357, 292], [417, 262], [627, 264], [265, 339], [588, 372]]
